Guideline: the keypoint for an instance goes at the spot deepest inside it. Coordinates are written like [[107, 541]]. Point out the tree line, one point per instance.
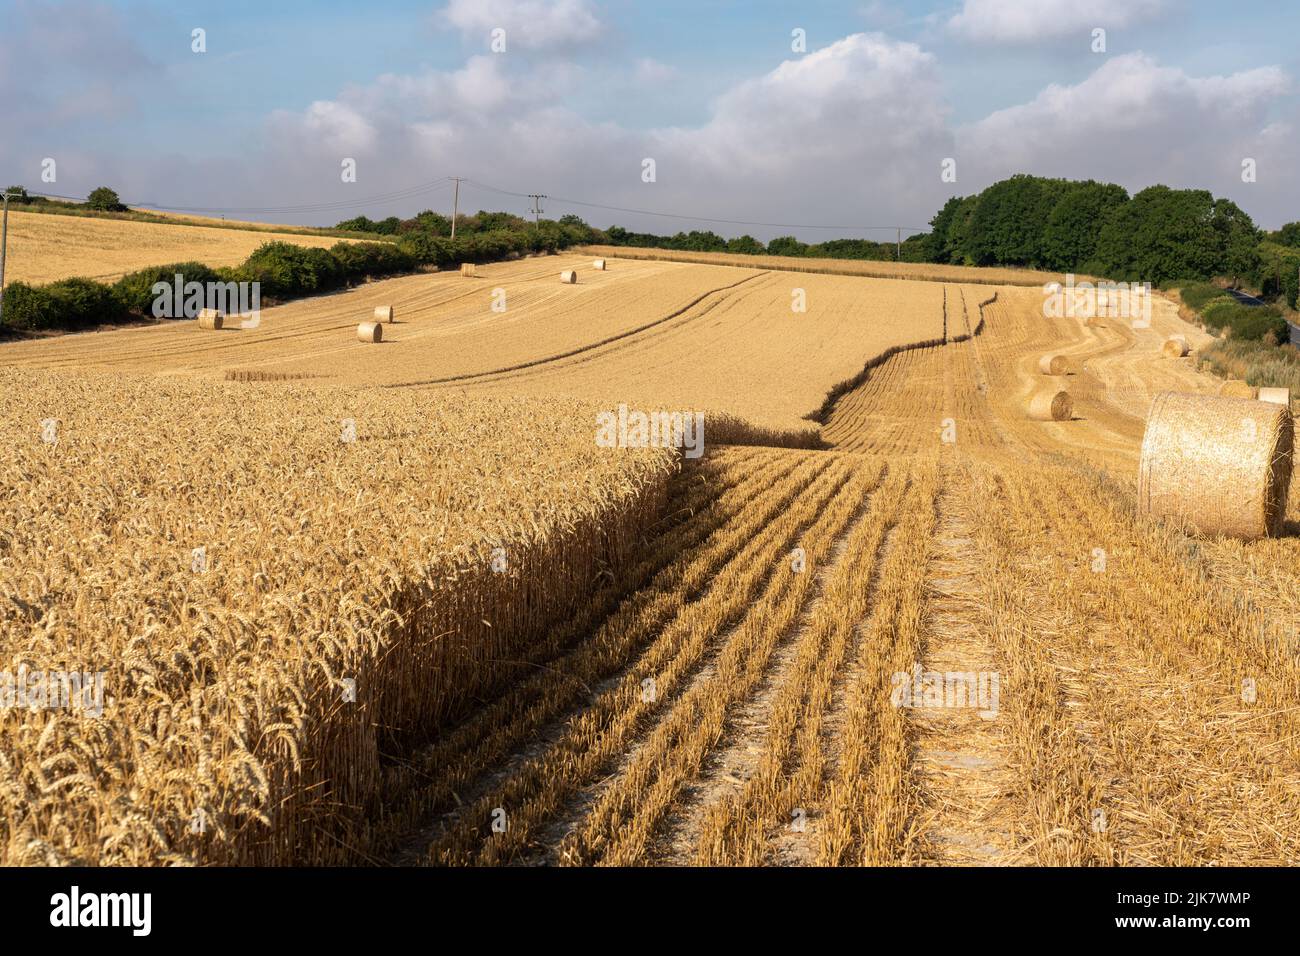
[[1158, 235]]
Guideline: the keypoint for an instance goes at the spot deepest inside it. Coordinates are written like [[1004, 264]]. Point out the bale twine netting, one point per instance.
[[1051, 407], [211, 319], [569, 276], [1236, 388], [1277, 396], [1054, 365], [467, 269], [370, 332], [1223, 465], [1175, 347], [385, 313]]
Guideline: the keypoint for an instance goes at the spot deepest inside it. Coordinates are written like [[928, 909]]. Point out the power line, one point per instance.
[[435, 185], [410, 192], [669, 215]]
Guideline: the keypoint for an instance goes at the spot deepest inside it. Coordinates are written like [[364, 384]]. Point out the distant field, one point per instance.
[[45, 248], [848, 267], [654, 334]]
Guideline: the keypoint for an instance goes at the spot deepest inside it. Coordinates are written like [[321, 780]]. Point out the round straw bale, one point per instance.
[[385, 313], [1054, 365], [210, 319], [467, 269], [1277, 396], [1051, 407], [1221, 464], [370, 331], [1175, 347], [569, 276], [1236, 388], [598, 264]]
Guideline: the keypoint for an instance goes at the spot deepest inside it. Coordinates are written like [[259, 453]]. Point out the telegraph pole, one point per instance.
[[455, 207], [4, 241], [537, 208], [899, 247]]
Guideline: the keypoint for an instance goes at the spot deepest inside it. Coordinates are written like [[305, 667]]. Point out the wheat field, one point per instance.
[[879, 269], [435, 623], [45, 247]]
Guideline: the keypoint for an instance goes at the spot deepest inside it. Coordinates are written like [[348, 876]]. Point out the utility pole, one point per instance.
[[899, 247], [455, 207], [537, 208], [4, 241]]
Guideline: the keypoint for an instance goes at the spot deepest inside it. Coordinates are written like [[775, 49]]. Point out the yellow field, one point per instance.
[[649, 334], [346, 536], [925, 271], [45, 248], [681, 662]]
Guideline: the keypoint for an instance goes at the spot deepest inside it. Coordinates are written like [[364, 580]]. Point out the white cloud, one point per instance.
[[863, 96], [1027, 21], [338, 128], [841, 134], [529, 24], [1136, 123], [1127, 96]]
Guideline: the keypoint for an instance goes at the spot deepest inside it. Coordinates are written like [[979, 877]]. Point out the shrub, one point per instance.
[[1196, 295], [134, 291], [67, 304], [284, 269], [360, 260], [1247, 322]]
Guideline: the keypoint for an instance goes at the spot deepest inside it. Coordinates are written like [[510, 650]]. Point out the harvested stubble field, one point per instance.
[[45, 247], [633, 334], [684, 662]]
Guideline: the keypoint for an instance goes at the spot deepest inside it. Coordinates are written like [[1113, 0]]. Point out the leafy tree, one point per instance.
[[104, 199], [1238, 239], [1288, 235], [746, 245], [1163, 234], [937, 243], [18, 195], [786, 246], [1070, 236], [1009, 220]]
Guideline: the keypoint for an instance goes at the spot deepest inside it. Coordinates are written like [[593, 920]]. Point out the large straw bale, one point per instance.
[[1051, 407], [1054, 365], [1221, 464]]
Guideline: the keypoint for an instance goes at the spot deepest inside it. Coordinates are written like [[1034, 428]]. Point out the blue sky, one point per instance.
[[741, 126]]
